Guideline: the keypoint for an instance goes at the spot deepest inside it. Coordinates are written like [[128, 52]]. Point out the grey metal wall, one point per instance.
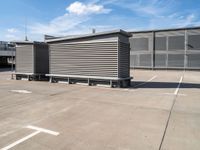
[[141, 50], [175, 49], [32, 58], [124, 60], [86, 59], [97, 56], [24, 59], [41, 58]]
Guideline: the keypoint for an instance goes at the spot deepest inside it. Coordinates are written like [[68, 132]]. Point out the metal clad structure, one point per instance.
[[32, 58], [170, 48], [141, 45], [24, 59], [99, 55]]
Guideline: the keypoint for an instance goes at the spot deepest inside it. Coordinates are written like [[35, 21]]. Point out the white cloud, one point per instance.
[[12, 30], [174, 21], [10, 37], [77, 14], [79, 8]]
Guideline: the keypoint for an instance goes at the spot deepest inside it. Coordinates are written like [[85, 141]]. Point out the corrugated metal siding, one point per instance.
[[24, 59], [124, 60], [85, 59], [41, 58]]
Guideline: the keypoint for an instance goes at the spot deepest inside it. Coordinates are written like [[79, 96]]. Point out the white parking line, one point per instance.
[[38, 130], [177, 89], [43, 130], [21, 140], [174, 94], [21, 91], [146, 81]]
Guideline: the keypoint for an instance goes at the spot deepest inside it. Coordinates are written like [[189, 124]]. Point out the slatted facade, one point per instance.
[[86, 59], [171, 48], [102, 55], [24, 59], [32, 58]]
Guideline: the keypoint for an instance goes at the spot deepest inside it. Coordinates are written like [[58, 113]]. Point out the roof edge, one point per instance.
[[90, 35], [167, 29]]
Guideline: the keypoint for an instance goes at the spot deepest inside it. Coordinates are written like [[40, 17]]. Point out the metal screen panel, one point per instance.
[[145, 60], [25, 59], [85, 59], [124, 60], [41, 58], [161, 60], [134, 61], [176, 60], [161, 43], [193, 61], [194, 42], [176, 43], [139, 44]]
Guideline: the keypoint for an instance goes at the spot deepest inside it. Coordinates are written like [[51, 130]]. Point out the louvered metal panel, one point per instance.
[[94, 56], [24, 59], [32, 58], [124, 60], [87, 59], [41, 52]]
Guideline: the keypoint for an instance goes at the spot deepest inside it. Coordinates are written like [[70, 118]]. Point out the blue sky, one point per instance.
[[66, 17]]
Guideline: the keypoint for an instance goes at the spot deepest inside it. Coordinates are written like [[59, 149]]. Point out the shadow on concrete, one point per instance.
[[5, 69], [141, 84]]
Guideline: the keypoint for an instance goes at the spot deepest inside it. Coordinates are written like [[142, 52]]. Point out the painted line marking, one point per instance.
[[63, 82], [21, 140], [146, 81], [177, 89], [168, 119], [38, 130], [174, 94], [43, 130], [21, 91]]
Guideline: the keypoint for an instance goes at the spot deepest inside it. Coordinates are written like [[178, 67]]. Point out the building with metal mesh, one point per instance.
[[166, 49]]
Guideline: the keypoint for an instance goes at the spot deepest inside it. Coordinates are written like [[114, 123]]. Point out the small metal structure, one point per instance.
[[92, 59], [32, 60]]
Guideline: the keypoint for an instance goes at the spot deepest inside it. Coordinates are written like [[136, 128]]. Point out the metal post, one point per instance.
[[185, 54], [12, 68]]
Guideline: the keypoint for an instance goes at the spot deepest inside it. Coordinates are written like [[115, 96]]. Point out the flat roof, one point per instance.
[[90, 35], [168, 29]]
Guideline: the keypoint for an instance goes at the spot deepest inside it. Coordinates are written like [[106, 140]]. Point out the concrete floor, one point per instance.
[[159, 111]]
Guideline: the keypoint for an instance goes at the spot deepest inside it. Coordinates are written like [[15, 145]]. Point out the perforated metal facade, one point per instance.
[[171, 48]]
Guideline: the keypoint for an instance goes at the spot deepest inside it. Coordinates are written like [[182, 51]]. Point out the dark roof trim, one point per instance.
[[161, 30], [90, 35], [28, 42]]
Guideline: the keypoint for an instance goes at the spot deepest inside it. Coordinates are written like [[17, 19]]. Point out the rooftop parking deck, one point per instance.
[[161, 110]]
